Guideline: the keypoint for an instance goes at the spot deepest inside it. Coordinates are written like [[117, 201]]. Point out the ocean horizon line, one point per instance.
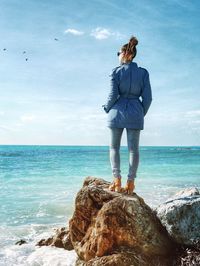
[[74, 145]]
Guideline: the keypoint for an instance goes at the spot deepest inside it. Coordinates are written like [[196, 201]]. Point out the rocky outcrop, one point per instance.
[[110, 228], [61, 239], [180, 215], [126, 257], [105, 220]]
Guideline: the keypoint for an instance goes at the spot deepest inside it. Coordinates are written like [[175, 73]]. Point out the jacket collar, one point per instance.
[[130, 63]]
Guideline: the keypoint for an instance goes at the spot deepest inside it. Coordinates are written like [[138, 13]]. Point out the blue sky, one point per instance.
[[55, 96]]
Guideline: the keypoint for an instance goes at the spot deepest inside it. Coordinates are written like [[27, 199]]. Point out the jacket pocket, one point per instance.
[[141, 106]]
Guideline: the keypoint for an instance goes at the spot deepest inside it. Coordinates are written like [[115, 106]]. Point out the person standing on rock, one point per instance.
[[125, 110]]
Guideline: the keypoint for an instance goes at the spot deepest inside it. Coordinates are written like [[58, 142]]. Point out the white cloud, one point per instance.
[[193, 113], [151, 133], [177, 116], [103, 33], [98, 33], [74, 32], [14, 128], [27, 118]]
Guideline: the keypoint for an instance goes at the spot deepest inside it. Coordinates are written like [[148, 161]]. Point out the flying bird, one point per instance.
[[26, 59], [55, 39], [24, 52], [4, 49]]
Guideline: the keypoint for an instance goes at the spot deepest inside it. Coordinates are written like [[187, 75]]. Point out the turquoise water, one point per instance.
[[38, 185]]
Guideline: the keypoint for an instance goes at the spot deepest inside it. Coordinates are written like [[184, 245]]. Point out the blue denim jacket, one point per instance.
[[123, 106]]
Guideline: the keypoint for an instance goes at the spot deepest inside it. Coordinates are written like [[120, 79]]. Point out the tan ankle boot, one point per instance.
[[116, 185], [129, 187]]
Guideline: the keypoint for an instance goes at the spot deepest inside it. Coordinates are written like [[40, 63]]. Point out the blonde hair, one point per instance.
[[129, 49]]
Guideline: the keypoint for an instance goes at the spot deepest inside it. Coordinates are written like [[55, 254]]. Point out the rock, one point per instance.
[[109, 228], [180, 215], [186, 192], [61, 239], [185, 256], [106, 222], [126, 258], [20, 242]]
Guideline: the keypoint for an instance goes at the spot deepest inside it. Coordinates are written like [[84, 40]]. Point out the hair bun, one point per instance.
[[133, 41]]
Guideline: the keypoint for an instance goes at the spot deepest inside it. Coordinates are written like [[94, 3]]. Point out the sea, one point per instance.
[[39, 183]]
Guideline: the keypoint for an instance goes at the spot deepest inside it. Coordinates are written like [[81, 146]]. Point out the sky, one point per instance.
[[55, 97]]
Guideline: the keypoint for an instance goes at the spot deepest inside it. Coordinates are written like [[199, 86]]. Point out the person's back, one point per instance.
[[129, 82]]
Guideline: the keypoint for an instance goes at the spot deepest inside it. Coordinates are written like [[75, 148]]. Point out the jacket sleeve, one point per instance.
[[114, 92], [146, 93]]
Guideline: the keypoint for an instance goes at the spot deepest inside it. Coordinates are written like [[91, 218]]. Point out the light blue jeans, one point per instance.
[[133, 136]]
